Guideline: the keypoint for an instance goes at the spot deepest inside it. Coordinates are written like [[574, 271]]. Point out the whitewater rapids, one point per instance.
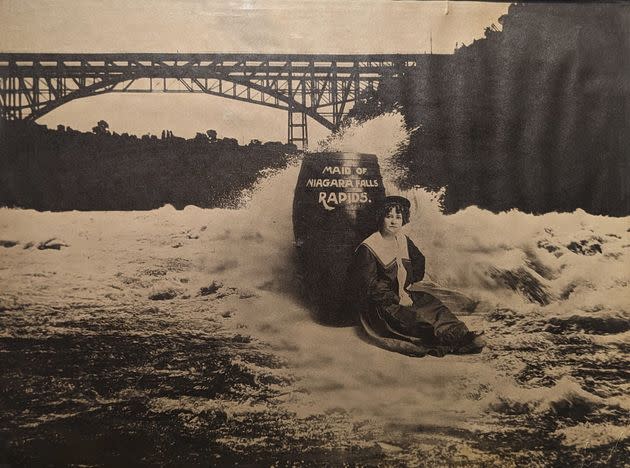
[[550, 292]]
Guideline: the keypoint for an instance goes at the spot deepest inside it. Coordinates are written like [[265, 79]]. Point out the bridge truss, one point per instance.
[[322, 87]]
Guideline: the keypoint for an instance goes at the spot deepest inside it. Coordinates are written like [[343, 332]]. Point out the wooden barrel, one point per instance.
[[333, 211]]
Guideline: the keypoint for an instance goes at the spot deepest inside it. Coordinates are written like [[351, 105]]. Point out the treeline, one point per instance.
[[535, 116], [65, 169]]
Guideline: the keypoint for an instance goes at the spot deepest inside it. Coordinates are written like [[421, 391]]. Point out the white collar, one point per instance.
[[385, 252]]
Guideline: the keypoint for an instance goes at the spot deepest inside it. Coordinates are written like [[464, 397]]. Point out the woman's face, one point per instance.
[[392, 223]]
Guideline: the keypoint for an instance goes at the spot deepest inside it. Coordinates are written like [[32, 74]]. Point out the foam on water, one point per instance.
[[531, 276], [509, 260]]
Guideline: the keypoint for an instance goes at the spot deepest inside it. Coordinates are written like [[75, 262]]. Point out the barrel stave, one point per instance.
[[333, 211]]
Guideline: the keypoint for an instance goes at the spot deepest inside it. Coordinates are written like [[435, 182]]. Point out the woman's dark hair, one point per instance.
[[387, 207]]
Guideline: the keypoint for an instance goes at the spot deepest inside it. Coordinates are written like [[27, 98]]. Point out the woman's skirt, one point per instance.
[[428, 325]]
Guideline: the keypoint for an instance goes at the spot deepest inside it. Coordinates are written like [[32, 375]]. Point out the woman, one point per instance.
[[415, 323]]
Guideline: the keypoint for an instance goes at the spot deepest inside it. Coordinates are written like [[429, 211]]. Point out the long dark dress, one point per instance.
[[425, 327]]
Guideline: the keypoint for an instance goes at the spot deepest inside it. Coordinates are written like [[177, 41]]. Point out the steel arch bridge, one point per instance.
[[321, 87]]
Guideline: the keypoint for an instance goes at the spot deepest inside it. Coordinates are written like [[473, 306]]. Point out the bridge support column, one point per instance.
[[297, 129]]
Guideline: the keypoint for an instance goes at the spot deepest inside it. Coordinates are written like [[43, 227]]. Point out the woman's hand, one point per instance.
[[405, 300]]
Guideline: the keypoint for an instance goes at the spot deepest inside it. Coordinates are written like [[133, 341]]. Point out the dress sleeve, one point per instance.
[[417, 261], [367, 283]]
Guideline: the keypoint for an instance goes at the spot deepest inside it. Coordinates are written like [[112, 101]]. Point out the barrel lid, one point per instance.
[[341, 155]]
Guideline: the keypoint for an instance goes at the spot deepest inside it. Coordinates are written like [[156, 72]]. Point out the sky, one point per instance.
[[270, 26]]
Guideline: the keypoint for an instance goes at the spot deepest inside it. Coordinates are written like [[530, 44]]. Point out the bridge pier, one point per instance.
[[297, 129]]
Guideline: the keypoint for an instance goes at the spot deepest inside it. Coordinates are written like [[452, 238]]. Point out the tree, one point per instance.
[[212, 135], [200, 137], [101, 128], [231, 143]]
